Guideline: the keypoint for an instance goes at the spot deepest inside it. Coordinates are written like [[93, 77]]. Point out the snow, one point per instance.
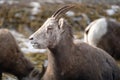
[[35, 8], [35, 4], [45, 63], [112, 10], [29, 49], [32, 17], [10, 2], [35, 11], [70, 13], [18, 15], [25, 44], [115, 7], [2, 2]]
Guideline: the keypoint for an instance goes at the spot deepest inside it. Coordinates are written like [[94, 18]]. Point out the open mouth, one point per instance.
[[38, 45], [35, 44]]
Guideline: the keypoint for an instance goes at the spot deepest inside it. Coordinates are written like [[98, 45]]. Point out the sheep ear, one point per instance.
[[61, 23]]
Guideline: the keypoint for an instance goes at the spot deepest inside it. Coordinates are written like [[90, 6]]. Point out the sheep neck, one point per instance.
[[58, 59]]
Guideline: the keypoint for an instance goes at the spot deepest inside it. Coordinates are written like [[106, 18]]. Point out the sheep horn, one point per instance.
[[61, 11], [56, 12]]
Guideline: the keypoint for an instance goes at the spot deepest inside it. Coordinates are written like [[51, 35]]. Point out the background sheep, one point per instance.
[[104, 33], [12, 59]]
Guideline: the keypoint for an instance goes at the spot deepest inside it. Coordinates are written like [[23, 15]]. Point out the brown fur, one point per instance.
[[69, 61], [110, 42], [12, 59]]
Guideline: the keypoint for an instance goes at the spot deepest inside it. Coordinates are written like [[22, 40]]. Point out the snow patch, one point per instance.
[[35, 4], [35, 8], [112, 10], [25, 44], [70, 13], [2, 2], [46, 63]]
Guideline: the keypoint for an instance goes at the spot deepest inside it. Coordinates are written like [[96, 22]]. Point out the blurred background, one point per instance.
[[24, 17]]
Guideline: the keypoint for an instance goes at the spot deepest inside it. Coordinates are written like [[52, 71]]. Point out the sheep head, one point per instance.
[[49, 34]]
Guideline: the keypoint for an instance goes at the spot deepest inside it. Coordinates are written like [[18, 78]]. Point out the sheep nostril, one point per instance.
[[30, 38]]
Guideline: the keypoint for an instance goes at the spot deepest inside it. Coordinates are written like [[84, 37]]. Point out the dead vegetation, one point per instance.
[[19, 16]]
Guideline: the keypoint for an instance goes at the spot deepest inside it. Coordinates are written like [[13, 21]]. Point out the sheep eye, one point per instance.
[[49, 28]]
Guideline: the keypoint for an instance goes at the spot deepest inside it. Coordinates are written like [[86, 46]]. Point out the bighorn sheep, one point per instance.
[[104, 33], [12, 59], [69, 61]]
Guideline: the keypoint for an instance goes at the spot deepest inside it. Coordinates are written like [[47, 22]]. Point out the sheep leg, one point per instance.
[[0, 75]]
